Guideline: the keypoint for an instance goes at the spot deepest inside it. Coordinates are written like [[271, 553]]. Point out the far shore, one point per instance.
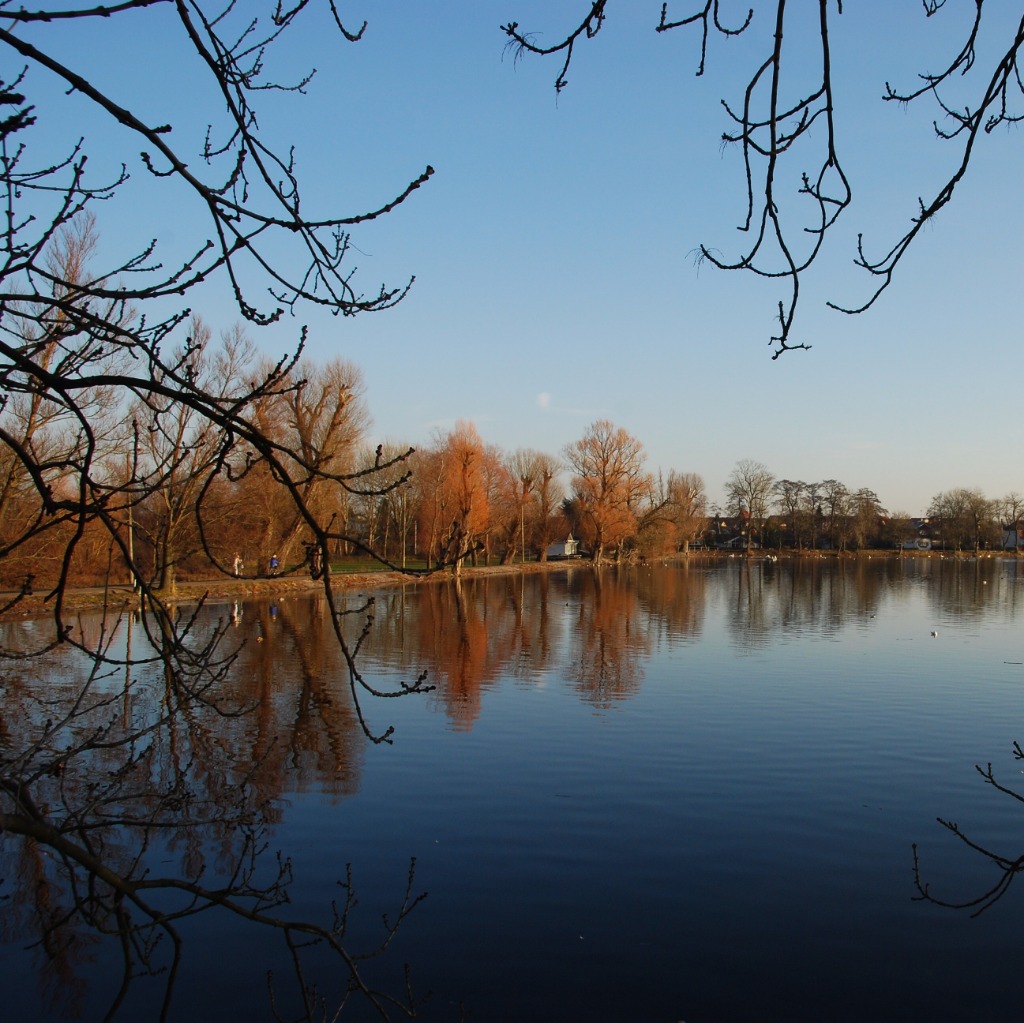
[[222, 588]]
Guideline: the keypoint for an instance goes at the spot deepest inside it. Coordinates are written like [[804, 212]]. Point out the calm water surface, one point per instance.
[[669, 793]]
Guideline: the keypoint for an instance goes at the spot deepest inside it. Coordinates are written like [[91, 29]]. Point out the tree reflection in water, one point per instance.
[[133, 803], [609, 641], [468, 634]]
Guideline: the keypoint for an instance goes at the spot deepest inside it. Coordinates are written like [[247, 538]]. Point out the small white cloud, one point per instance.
[[543, 400]]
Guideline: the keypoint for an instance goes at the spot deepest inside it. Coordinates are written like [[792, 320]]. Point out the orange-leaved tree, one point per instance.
[[451, 486], [609, 483]]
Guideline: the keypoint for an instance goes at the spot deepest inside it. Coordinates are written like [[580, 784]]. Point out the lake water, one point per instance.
[[680, 792]]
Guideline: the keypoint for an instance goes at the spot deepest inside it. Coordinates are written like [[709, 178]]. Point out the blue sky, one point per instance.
[[553, 248]]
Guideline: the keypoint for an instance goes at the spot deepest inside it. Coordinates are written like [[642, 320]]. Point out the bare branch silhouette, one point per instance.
[[786, 134]]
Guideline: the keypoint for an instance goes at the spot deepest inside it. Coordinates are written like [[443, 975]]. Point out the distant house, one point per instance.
[[739, 543], [921, 543], [567, 548]]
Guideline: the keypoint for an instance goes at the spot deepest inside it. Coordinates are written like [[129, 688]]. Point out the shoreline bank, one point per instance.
[[77, 600], [83, 599]]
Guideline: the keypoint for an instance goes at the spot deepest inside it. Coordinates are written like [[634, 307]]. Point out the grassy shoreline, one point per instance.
[[120, 597], [40, 603]]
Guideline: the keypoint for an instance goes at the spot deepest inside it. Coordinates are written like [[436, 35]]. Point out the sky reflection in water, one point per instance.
[[692, 794]]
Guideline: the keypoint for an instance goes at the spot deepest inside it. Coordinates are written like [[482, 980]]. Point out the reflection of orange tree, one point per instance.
[[609, 641], [533, 650], [471, 632], [130, 802], [675, 597], [302, 723], [393, 642], [466, 636]]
